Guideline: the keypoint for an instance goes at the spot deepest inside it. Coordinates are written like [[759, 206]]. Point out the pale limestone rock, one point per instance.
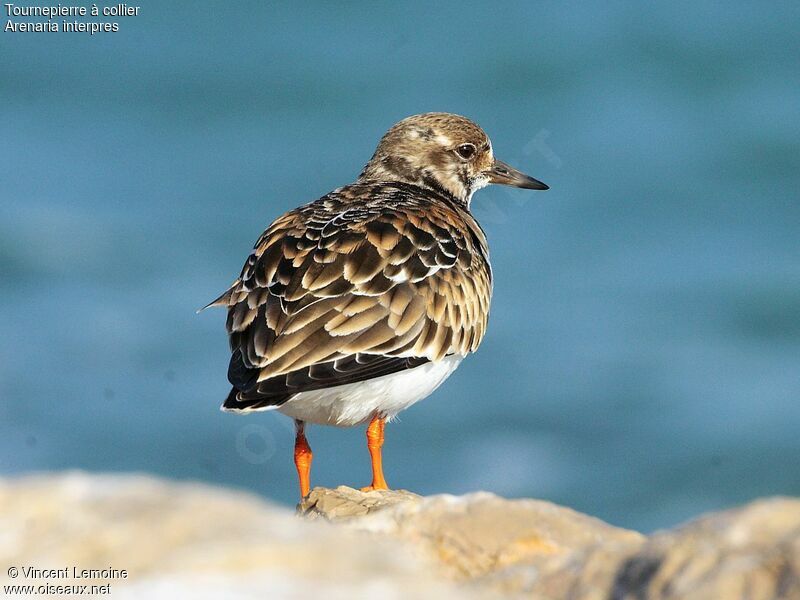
[[345, 502], [478, 535], [181, 540], [544, 551], [750, 552], [189, 540]]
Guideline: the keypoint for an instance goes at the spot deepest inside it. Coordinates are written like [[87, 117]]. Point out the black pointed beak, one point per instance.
[[507, 175]]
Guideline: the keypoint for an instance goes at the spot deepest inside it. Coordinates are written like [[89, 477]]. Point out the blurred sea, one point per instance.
[[643, 356]]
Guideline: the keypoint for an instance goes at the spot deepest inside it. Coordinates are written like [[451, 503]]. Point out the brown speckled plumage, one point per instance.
[[377, 276], [374, 278]]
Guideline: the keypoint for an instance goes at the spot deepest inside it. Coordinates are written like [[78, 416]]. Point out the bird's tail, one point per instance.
[[244, 402]]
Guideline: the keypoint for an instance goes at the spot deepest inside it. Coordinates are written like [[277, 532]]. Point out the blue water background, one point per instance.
[[643, 356]]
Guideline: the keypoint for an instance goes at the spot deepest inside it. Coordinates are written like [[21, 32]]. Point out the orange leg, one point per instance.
[[302, 459], [375, 443]]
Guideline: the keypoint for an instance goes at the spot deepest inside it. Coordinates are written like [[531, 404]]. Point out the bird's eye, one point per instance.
[[466, 151]]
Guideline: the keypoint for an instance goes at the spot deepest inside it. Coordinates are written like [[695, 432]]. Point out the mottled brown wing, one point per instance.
[[372, 276]]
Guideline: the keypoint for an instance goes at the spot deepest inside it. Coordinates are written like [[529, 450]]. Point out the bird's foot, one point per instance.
[[374, 486]]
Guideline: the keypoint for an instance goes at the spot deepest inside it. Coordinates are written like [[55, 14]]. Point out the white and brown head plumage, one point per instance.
[[376, 277]]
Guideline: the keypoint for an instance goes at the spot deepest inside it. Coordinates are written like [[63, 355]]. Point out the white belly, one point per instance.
[[356, 403]]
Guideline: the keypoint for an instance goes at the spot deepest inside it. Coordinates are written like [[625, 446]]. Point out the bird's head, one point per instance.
[[444, 152]]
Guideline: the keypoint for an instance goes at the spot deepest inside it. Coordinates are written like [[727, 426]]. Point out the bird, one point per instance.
[[355, 306]]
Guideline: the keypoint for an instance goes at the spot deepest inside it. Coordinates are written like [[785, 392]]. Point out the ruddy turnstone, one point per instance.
[[359, 304]]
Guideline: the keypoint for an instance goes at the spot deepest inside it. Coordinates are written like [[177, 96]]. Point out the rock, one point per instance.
[[345, 502], [474, 535], [750, 552], [192, 540], [546, 551], [182, 540]]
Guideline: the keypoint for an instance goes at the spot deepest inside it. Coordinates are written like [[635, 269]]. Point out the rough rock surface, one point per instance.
[[545, 551], [475, 535], [749, 552], [188, 540]]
